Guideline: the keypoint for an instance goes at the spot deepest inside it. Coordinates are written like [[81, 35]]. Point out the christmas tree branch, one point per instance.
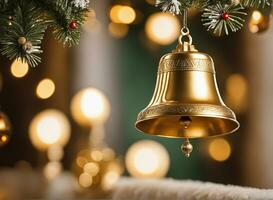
[[60, 14], [23, 24], [22, 34], [222, 18], [219, 16]]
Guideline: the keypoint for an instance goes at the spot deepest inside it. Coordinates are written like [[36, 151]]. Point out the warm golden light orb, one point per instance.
[[122, 14], [5, 129], [45, 88], [219, 149], [19, 69], [258, 22], [118, 30], [110, 179], [256, 16], [91, 168], [85, 180], [49, 128], [237, 92], [147, 159], [90, 106], [52, 170], [162, 28]]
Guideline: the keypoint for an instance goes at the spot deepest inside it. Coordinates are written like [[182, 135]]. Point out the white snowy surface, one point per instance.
[[169, 189]]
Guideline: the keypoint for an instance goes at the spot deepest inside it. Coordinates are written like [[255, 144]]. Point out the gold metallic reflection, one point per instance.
[[186, 87]]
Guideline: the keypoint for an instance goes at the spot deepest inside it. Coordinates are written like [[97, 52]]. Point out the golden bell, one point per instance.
[[186, 101]]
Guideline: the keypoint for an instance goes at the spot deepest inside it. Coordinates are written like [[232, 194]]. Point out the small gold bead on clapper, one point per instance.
[[186, 148]]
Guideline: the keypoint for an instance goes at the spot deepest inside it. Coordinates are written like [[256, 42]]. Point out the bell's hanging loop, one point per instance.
[[185, 33], [185, 39]]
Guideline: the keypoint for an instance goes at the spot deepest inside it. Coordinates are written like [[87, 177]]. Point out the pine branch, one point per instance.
[[23, 24], [219, 16], [61, 14], [256, 3], [65, 14], [200, 4], [22, 35], [220, 19], [172, 6]]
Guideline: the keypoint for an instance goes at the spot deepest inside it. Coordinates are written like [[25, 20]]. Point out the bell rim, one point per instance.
[[186, 109], [177, 137]]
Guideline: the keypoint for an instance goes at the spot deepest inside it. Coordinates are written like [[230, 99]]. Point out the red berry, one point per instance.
[[73, 25], [225, 16]]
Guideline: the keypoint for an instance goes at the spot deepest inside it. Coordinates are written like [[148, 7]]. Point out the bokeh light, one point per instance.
[[219, 149], [258, 22], [90, 106], [118, 30], [108, 154], [45, 88], [122, 14], [52, 170], [162, 28], [55, 153], [85, 180], [49, 128], [5, 129], [237, 91], [110, 179], [96, 155], [147, 159], [97, 169], [4, 122], [19, 69], [4, 139], [81, 161], [92, 24], [91, 168]]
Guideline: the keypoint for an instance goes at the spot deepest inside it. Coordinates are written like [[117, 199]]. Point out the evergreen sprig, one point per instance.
[[255, 3], [26, 24], [23, 25], [219, 16], [61, 28]]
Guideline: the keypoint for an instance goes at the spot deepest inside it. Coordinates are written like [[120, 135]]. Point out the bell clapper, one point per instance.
[[186, 148], [185, 121]]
